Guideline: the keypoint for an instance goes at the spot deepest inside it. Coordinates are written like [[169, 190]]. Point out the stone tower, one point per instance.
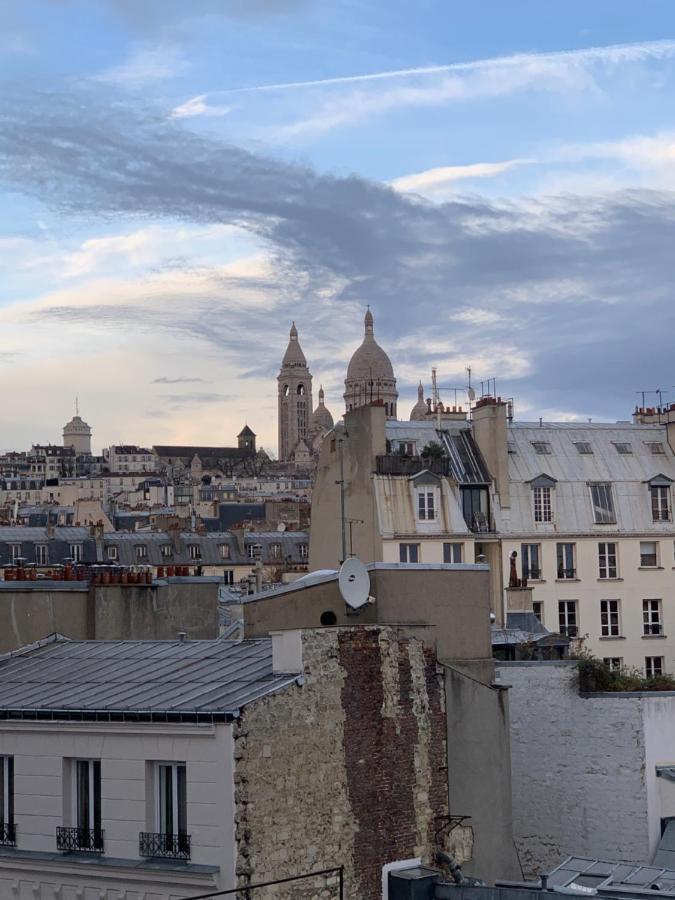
[[295, 398], [77, 434], [370, 376]]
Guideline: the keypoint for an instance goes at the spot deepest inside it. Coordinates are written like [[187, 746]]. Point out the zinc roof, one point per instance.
[[60, 678]]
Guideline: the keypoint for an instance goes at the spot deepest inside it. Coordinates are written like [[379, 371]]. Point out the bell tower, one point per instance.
[[295, 398]]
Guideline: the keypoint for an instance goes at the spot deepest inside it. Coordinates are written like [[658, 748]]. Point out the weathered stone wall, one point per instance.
[[578, 769], [346, 769]]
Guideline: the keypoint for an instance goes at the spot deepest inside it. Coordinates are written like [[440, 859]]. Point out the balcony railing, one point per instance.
[[532, 574], [567, 573], [7, 834], [89, 839], [393, 464], [167, 846]]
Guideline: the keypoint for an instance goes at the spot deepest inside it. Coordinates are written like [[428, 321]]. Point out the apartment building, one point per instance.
[[587, 509]]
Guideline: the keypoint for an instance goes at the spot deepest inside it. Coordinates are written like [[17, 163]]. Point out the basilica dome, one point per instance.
[[370, 375]]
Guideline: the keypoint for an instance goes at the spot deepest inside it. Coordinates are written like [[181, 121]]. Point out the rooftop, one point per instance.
[[136, 680]]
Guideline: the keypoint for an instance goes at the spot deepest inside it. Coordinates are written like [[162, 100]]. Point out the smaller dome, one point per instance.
[[321, 417], [294, 356], [77, 425], [419, 410]]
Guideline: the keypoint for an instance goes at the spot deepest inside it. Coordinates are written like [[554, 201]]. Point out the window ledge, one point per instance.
[[654, 637], [612, 579], [565, 580], [650, 568], [542, 580], [612, 637]]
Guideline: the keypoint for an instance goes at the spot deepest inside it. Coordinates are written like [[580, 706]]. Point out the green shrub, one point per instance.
[[595, 676]]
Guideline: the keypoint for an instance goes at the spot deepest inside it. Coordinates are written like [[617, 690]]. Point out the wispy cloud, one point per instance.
[[198, 106], [166, 380], [441, 180], [146, 64]]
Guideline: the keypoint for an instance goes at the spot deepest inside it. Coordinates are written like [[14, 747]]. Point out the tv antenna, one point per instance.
[[354, 583]]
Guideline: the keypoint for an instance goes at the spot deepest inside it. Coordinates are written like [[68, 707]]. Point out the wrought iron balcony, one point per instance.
[[89, 839], [394, 464], [7, 834], [566, 573], [167, 846]]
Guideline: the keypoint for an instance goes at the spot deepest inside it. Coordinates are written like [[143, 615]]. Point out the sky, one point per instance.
[[179, 181]]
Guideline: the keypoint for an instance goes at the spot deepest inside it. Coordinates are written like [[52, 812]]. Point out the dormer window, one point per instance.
[[583, 447], [659, 490], [623, 448], [603, 504], [542, 498], [656, 447], [543, 448]]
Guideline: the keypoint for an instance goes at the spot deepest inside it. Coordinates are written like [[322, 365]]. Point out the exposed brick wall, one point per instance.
[[347, 769]]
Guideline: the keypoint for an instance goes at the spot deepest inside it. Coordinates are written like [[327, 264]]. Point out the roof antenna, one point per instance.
[[77, 406]]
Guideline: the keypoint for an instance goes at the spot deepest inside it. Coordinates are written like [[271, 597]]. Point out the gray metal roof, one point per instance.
[[574, 471], [184, 680], [611, 878]]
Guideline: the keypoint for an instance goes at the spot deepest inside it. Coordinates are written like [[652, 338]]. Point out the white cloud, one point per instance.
[[145, 65], [197, 106], [439, 182]]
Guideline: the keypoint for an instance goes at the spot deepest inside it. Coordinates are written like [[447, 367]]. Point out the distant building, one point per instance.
[[370, 375], [129, 458], [77, 436]]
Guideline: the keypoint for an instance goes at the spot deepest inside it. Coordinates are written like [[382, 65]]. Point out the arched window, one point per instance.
[[285, 390], [301, 390]]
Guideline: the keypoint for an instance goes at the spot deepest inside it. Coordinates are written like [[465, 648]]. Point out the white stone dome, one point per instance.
[[420, 409], [370, 362]]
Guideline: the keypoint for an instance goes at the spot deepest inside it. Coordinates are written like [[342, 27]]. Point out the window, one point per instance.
[[511, 447], [651, 617], [171, 798], [623, 448], [653, 666], [541, 447], [409, 553], [656, 447], [15, 552], [87, 833], [141, 551], [111, 553], [583, 447], [406, 448], [166, 551], [607, 560], [660, 502], [567, 617], [42, 554], [565, 559], [303, 550], [538, 610], [275, 551], [603, 504], [253, 551], [648, 554], [426, 508], [476, 508], [7, 830], [76, 552], [452, 553], [195, 551], [613, 663], [529, 561], [224, 550], [609, 618], [543, 511]]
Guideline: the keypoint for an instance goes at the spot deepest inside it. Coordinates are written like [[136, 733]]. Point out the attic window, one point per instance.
[[583, 447], [511, 447], [656, 447], [622, 448], [541, 447]]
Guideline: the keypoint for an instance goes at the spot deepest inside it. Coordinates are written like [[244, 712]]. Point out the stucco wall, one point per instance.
[[347, 769], [42, 803], [30, 611], [578, 769]]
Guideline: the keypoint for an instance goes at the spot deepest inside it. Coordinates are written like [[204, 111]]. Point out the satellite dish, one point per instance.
[[281, 526], [354, 583]]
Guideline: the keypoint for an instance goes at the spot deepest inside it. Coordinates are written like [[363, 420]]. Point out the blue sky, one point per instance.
[[181, 180]]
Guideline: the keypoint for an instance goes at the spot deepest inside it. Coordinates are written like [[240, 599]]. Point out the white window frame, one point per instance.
[[91, 824], [224, 551], [567, 610], [7, 797], [652, 617], [14, 552], [455, 551], [610, 618], [158, 824], [526, 566], [613, 663], [195, 552], [425, 505], [303, 550], [166, 551], [404, 549], [660, 502], [605, 556], [75, 552], [141, 551], [543, 504], [538, 610], [653, 666], [42, 554], [566, 572], [112, 553], [655, 564], [276, 550]]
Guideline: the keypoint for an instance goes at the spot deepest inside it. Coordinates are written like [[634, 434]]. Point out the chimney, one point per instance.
[[490, 433], [286, 651]]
